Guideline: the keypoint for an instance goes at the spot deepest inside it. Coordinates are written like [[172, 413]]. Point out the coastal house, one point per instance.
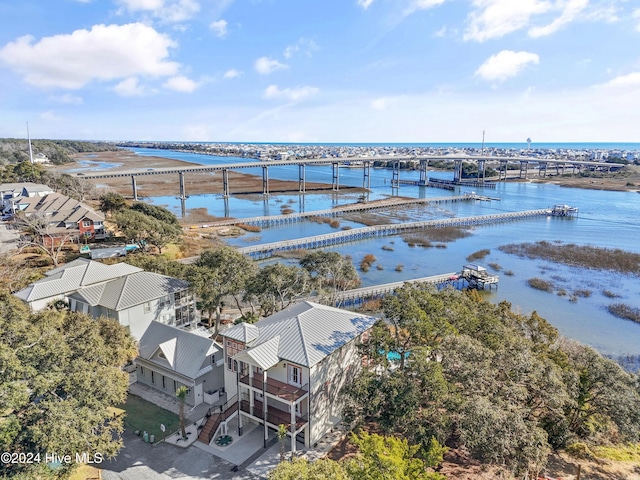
[[170, 358], [64, 218], [9, 192], [130, 295], [289, 368]]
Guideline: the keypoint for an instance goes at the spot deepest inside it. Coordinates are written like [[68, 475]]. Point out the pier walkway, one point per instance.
[[339, 210], [356, 296], [318, 241]]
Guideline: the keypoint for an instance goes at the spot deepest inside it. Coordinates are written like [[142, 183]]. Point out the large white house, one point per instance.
[[289, 368], [121, 291]]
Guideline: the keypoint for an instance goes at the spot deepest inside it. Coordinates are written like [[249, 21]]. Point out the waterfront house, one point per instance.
[[10, 191], [130, 295], [170, 358], [289, 368], [63, 218]]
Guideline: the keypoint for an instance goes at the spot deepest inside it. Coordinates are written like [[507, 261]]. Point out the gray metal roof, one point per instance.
[[130, 290], [73, 276], [264, 355], [185, 352], [308, 332], [243, 332]]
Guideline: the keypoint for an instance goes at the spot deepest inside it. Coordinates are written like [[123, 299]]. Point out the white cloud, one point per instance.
[[181, 84], [631, 80], [106, 52], [219, 27], [266, 65], [50, 116], [291, 94], [506, 64], [416, 5], [129, 87], [382, 103], [166, 10], [572, 8], [306, 46], [636, 15], [365, 3], [232, 73], [67, 98], [496, 18]]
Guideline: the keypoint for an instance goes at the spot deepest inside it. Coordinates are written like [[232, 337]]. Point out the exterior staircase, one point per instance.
[[215, 419]]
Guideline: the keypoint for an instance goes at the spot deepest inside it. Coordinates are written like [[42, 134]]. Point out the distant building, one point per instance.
[[11, 191]]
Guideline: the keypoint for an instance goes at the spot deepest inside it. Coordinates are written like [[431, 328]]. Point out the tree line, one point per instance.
[[16, 150]]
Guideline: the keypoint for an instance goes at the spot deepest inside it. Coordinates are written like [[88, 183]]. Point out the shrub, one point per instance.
[[627, 312], [399, 267]]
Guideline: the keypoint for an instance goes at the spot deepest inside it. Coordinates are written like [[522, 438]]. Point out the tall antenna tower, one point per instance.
[[528, 144], [29, 141], [483, 143]]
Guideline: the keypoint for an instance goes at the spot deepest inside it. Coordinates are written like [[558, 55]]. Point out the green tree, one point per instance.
[[386, 458], [181, 394], [218, 274], [331, 274], [26, 171], [60, 373], [111, 202], [155, 211], [282, 434], [300, 469], [144, 230], [277, 286]]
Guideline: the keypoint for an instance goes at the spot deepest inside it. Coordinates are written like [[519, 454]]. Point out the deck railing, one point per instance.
[[275, 387]]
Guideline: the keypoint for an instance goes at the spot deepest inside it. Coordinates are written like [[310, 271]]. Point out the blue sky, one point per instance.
[[321, 71]]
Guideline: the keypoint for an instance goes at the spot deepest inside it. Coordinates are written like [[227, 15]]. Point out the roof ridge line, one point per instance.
[[304, 341]]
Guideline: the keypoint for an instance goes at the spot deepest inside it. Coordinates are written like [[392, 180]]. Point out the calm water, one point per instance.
[[606, 219]]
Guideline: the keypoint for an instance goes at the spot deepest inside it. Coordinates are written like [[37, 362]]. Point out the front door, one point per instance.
[[198, 395]]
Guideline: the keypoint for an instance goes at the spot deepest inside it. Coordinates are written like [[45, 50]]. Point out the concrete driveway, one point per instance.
[[141, 461], [8, 238]]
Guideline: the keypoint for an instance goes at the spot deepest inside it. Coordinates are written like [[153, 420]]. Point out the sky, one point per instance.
[[348, 71]]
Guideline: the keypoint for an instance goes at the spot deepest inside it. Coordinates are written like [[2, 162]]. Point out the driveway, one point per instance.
[[8, 238], [142, 461]]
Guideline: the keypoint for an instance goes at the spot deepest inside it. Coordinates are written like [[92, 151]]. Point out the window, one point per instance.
[[231, 348], [142, 370], [86, 223], [153, 378], [147, 307], [164, 383], [295, 375], [175, 386]]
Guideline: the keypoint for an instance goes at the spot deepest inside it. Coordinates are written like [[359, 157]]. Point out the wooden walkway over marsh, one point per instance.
[[266, 250], [265, 221]]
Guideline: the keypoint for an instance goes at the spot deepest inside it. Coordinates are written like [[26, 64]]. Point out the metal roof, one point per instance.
[[264, 355], [72, 277], [185, 352], [308, 332], [243, 332], [130, 290]]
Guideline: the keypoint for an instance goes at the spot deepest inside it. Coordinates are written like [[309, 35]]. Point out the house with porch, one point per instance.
[[170, 358], [290, 367]]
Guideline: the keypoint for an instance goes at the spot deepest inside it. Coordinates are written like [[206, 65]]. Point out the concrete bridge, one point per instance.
[[421, 161]]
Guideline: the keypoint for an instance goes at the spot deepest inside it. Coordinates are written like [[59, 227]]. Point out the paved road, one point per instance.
[[8, 238], [141, 461]]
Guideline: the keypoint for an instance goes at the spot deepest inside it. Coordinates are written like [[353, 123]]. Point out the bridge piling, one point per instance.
[[134, 187]]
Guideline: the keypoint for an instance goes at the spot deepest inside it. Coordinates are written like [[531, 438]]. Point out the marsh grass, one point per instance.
[[585, 256], [495, 266], [610, 294], [540, 284], [627, 312], [479, 255]]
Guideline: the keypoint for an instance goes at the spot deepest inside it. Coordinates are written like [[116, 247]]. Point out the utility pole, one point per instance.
[[483, 143], [29, 141]]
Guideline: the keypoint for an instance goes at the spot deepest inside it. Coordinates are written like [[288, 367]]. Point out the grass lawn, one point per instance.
[[142, 415]]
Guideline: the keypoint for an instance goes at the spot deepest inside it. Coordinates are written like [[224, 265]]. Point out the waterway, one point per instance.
[[605, 219]]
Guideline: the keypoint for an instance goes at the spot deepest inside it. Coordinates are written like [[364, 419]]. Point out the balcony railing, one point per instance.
[[287, 392], [275, 416]]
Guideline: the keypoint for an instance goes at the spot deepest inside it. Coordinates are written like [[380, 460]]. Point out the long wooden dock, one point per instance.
[[319, 241], [359, 295], [339, 210]]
